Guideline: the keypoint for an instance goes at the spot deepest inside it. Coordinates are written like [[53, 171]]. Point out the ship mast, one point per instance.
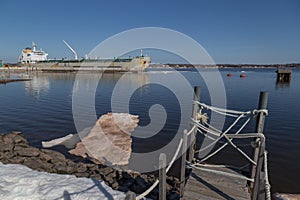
[[71, 49], [33, 46]]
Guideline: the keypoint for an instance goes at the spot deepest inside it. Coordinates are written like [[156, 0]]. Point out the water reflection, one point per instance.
[[282, 85], [38, 85]]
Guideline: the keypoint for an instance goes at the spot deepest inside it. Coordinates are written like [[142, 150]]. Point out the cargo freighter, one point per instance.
[[38, 59]]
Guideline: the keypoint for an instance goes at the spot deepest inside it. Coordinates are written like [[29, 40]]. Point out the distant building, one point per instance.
[[1, 63]]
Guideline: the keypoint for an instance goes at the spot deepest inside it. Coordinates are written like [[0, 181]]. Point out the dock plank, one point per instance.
[[211, 186]]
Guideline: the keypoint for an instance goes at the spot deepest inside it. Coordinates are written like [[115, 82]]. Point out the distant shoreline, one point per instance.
[[290, 65]]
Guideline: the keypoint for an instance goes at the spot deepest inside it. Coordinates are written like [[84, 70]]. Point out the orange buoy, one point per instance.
[[243, 76], [229, 75]]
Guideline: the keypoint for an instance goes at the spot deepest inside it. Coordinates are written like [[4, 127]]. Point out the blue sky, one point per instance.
[[232, 31]]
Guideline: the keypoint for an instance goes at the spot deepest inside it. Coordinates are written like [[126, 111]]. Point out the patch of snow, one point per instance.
[[18, 182]]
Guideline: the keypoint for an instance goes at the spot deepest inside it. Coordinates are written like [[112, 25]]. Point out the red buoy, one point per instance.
[[229, 75], [243, 76]]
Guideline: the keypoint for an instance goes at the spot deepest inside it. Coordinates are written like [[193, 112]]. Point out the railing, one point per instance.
[[256, 161]]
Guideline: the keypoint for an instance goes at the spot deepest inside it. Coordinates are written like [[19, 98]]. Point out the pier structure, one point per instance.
[[284, 76], [200, 179]]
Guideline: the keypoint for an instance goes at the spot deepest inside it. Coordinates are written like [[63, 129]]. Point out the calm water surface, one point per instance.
[[42, 110]]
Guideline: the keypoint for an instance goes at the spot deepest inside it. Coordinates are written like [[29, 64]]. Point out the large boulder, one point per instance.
[[109, 141]]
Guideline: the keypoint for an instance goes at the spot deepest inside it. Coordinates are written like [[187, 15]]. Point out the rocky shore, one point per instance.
[[15, 149]]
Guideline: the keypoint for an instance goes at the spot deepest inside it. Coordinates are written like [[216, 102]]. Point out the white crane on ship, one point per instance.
[[72, 50]]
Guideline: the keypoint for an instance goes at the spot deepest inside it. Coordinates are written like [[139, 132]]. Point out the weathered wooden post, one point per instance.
[[130, 196], [259, 149], [183, 161], [257, 182], [194, 116], [162, 176]]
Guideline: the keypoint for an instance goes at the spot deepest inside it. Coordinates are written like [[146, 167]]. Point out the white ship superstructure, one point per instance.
[[31, 55]]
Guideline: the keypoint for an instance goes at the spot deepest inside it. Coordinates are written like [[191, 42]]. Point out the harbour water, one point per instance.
[[42, 110]]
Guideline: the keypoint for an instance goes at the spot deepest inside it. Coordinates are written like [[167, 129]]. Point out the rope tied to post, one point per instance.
[[216, 135]]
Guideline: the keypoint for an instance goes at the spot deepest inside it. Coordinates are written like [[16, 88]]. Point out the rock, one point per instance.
[[81, 167], [110, 178], [173, 196], [92, 167], [123, 189], [127, 182], [139, 185], [55, 156], [26, 152], [95, 176], [71, 164], [6, 147], [36, 164], [138, 188], [17, 160], [114, 185], [83, 174], [106, 170], [19, 139], [60, 168], [109, 141], [126, 175], [140, 181], [8, 138], [45, 157], [6, 155]]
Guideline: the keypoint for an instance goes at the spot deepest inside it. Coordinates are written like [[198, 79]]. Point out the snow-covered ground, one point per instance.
[[18, 182]]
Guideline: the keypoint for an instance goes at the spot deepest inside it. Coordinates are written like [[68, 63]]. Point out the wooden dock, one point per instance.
[[212, 186], [214, 182], [4, 81]]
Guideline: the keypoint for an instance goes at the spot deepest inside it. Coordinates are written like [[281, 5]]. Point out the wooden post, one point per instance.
[[130, 196], [257, 183], [194, 116], [263, 101], [183, 160], [162, 176]]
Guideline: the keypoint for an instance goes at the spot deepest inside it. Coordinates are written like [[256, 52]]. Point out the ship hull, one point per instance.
[[132, 64]]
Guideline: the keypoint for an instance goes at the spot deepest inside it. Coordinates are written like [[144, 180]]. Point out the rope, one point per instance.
[[212, 127], [167, 170], [228, 129], [206, 129], [228, 112], [264, 111], [222, 166], [200, 131], [223, 173], [239, 150], [224, 145], [222, 142], [192, 129], [267, 184], [223, 111]]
